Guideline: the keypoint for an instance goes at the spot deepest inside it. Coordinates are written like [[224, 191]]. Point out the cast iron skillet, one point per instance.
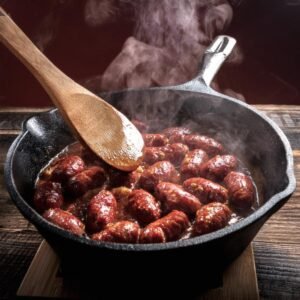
[[253, 137]]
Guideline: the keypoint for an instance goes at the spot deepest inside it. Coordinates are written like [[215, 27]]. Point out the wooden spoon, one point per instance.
[[106, 131]]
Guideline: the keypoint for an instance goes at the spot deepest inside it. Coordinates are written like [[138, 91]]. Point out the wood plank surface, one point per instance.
[[276, 247], [43, 279]]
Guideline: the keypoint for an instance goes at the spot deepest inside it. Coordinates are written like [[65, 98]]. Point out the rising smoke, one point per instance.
[[168, 43]]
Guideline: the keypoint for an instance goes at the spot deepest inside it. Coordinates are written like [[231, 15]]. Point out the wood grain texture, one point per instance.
[[276, 247], [43, 279]]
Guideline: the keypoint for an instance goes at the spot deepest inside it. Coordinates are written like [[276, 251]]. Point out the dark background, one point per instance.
[[268, 33]]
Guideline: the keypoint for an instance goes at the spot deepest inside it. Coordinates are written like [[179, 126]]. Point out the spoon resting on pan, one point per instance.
[[106, 131]]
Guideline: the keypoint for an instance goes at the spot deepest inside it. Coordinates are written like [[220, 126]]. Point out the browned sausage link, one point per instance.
[[155, 139], [173, 196], [219, 166], [141, 126], [191, 165], [67, 167], [241, 190], [90, 178], [209, 145], [160, 171], [205, 190], [64, 220], [120, 232], [168, 228], [176, 134], [48, 195], [211, 217], [143, 207], [101, 210], [175, 153], [153, 155]]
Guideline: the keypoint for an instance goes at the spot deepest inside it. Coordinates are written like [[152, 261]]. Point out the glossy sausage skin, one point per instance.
[[173, 196], [207, 144], [143, 207], [205, 190], [66, 168], [218, 167], [211, 217], [160, 171], [48, 195], [176, 152], [101, 210], [241, 190], [153, 155], [64, 220], [90, 178], [172, 152], [120, 232], [176, 134], [192, 163], [155, 139], [168, 228]]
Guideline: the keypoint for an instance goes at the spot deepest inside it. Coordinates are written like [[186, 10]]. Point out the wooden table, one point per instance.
[[276, 247]]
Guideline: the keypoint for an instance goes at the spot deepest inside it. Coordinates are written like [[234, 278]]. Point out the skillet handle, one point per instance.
[[213, 59], [214, 56]]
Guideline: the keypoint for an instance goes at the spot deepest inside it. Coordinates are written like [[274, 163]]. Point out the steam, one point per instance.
[[47, 29], [166, 46], [99, 12], [168, 43]]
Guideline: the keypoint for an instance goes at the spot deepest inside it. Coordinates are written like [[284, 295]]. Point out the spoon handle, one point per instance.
[[50, 77]]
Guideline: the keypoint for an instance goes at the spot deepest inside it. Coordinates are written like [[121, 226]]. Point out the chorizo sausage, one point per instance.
[[64, 220], [67, 167], [90, 178], [176, 152], [171, 152], [120, 232], [205, 190], [160, 171], [208, 144], [155, 139], [241, 190], [218, 167], [173, 196], [168, 228], [48, 195], [176, 134], [153, 155], [192, 163], [101, 210], [143, 207], [211, 217]]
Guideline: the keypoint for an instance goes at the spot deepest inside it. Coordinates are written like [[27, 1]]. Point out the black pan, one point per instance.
[[248, 133]]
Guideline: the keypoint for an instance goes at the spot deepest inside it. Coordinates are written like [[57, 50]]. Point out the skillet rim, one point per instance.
[[261, 212]]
